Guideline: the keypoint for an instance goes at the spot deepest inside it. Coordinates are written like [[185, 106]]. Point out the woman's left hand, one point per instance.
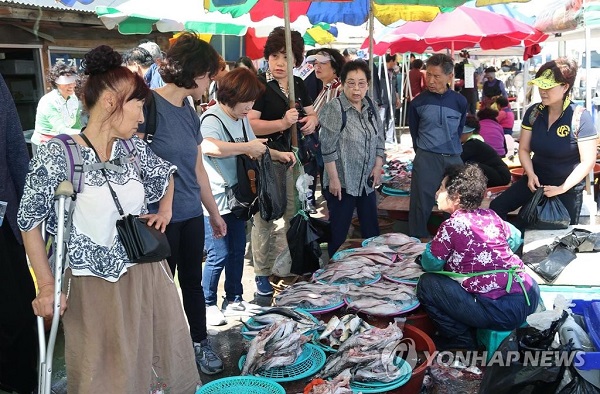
[[310, 124], [551, 191], [158, 220], [218, 225], [376, 174]]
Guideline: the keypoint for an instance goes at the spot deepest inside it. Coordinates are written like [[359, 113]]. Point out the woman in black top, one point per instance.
[[272, 118]]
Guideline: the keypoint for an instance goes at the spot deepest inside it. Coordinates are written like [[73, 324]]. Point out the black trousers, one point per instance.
[[457, 313], [18, 330], [187, 247]]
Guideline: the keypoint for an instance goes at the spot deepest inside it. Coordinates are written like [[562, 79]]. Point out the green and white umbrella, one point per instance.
[[139, 17]]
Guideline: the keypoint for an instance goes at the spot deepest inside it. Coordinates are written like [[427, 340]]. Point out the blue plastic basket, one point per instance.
[[394, 192], [309, 363], [379, 387], [309, 333], [402, 281], [242, 385]]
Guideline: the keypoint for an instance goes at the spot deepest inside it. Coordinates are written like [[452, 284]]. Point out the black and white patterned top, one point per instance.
[[93, 247]]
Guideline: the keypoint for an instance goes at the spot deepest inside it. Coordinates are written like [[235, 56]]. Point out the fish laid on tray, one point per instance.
[[403, 269], [307, 295], [380, 299], [278, 345], [339, 385], [400, 243], [368, 356], [338, 330], [270, 315]]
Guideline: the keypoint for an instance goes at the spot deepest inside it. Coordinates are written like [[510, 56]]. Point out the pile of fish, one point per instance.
[[367, 356], [406, 250], [358, 266], [380, 299], [307, 295], [339, 385], [339, 330], [278, 345], [268, 316], [400, 243]]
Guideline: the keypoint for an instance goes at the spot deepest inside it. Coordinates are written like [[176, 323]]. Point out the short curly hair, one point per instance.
[[276, 43], [60, 69], [468, 183], [189, 57]]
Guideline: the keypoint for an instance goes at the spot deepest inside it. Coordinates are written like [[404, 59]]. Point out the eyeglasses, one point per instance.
[[353, 84]]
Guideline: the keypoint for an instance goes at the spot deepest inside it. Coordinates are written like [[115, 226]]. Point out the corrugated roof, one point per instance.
[[57, 5]]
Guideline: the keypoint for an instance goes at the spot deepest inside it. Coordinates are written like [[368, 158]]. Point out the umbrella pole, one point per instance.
[[290, 65], [371, 32]]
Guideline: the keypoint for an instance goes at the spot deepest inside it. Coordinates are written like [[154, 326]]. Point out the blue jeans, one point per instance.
[[227, 252]]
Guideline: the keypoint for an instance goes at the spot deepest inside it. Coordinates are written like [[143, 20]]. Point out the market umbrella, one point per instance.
[[139, 17], [462, 28]]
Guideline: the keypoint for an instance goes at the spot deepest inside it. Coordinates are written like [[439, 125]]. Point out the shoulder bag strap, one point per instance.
[[112, 191]]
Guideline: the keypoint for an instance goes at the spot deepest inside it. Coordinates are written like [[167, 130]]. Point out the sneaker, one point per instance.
[[214, 316], [238, 306], [263, 287], [206, 359]]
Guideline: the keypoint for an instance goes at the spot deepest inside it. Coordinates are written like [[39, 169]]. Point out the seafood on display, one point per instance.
[[269, 315], [370, 356], [278, 345], [338, 330], [307, 295], [380, 299], [339, 385]]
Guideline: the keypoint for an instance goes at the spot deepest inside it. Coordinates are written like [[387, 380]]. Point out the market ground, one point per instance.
[[227, 340]]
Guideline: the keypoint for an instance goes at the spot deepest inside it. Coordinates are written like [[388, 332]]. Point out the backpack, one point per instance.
[[150, 116], [242, 198], [371, 110]]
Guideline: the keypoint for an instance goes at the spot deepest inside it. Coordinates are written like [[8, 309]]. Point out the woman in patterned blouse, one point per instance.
[[474, 279], [125, 331]]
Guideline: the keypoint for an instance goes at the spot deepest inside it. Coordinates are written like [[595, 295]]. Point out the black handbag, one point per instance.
[[142, 243]]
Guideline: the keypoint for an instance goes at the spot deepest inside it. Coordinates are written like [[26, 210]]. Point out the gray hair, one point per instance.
[[443, 61], [153, 48]]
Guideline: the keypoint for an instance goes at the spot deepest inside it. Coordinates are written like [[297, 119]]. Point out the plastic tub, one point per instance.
[[421, 320], [422, 343]]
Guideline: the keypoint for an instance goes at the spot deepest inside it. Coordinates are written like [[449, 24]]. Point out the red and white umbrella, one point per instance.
[[465, 27]]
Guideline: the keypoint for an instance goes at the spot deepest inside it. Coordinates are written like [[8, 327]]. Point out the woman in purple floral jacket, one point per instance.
[[474, 279]]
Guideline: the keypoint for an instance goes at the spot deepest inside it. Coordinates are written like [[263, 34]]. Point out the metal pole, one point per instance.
[[371, 32], [290, 65]]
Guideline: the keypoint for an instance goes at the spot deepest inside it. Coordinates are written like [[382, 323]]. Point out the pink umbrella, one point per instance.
[[462, 28]]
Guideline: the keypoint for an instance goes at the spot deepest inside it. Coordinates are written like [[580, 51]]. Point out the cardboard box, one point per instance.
[[15, 66]]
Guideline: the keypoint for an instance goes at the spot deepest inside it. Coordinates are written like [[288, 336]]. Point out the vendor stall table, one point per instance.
[[583, 271]]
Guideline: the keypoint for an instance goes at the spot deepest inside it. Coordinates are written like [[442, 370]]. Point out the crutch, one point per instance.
[[63, 192]]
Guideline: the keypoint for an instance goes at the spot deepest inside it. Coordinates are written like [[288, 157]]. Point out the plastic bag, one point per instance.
[[543, 320], [518, 376], [578, 385], [550, 267], [544, 213], [304, 237], [272, 197], [283, 264], [552, 214]]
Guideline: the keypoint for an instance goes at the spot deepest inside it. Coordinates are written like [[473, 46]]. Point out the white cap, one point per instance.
[[319, 58]]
